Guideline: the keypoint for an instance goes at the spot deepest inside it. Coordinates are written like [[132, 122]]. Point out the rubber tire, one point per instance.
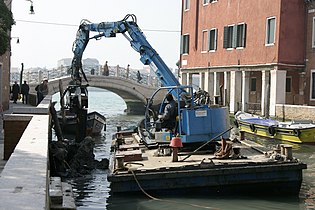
[[252, 127], [296, 132], [271, 130]]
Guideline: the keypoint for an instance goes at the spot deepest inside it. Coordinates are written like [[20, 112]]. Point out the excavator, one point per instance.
[[196, 121]]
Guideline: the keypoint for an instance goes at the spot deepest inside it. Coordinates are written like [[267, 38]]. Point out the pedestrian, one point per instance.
[[25, 88], [139, 78], [106, 70], [127, 71], [15, 92], [42, 91]]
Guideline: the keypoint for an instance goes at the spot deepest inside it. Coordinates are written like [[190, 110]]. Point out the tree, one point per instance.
[[6, 22]]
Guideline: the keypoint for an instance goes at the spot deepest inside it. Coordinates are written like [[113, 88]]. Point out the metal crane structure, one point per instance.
[[196, 122]]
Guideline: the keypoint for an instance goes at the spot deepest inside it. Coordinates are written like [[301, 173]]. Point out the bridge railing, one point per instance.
[[127, 73]]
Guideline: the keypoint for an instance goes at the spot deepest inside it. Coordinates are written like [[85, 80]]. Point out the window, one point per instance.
[[184, 49], [212, 1], [288, 84], [253, 84], [228, 37], [241, 34], [204, 41], [313, 85], [186, 4], [205, 2], [270, 31], [313, 33], [212, 36], [234, 36]]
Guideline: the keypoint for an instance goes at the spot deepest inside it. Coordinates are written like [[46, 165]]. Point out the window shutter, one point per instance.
[[181, 44], [186, 44], [234, 35], [225, 37], [244, 35], [215, 38]]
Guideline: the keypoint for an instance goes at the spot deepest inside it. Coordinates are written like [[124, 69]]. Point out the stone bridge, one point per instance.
[[133, 93]]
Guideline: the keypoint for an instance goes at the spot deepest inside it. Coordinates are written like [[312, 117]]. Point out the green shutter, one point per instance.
[[181, 44], [225, 37]]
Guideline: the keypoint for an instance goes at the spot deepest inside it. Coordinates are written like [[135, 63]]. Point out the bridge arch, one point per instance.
[[133, 93]]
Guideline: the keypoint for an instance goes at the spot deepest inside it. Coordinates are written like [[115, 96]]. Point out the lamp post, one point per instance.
[[31, 7], [17, 39], [21, 75]]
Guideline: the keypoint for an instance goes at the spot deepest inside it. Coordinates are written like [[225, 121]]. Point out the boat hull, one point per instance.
[[294, 131], [95, 124], [270, 178], [303, 135]]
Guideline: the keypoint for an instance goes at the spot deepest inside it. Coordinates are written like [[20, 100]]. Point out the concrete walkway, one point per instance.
[[9, 111]]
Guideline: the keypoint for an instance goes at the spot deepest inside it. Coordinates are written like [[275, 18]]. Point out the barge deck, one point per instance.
[[250, 168]]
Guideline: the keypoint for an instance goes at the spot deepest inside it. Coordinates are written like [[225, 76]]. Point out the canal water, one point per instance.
[[92, 191]]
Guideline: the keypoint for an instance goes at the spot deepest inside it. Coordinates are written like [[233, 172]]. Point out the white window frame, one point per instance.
[[313, 33], [204, 44], [186, 5], [243, 34], [205, 2], [184, 44], [215, 39], [267, 32], [311, 84], [213, 1], [233, 31]]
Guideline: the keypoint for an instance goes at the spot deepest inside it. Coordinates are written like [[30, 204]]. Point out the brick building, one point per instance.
[[251, 53], [310, 54]]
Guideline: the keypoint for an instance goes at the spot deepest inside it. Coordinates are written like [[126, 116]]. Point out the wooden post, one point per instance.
[[175, 154], [62, 102]]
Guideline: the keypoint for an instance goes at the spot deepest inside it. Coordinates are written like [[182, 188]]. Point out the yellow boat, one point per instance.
[[293, 131]]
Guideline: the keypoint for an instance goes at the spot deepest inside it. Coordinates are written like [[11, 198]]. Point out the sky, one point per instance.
[[47, 36]]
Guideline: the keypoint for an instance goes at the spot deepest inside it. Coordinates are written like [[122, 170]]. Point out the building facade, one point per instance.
[[310, 54], [249, 53]]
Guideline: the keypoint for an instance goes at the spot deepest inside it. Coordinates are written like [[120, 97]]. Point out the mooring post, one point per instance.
[[81, 124]]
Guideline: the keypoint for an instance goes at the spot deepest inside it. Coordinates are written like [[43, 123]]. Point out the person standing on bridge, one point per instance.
[[25, 88], [105, 69], [127, 71], [139, 78]]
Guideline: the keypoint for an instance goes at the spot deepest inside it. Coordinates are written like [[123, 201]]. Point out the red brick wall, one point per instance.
[[310, 54], [292, 32], [254, 14]]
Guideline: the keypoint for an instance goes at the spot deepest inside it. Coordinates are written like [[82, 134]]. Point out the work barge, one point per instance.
[[238, 166]]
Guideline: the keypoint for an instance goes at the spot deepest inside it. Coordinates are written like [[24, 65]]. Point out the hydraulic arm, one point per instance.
[[130, 30]]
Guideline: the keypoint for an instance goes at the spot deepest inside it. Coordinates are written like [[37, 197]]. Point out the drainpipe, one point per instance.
[[197, 26]]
